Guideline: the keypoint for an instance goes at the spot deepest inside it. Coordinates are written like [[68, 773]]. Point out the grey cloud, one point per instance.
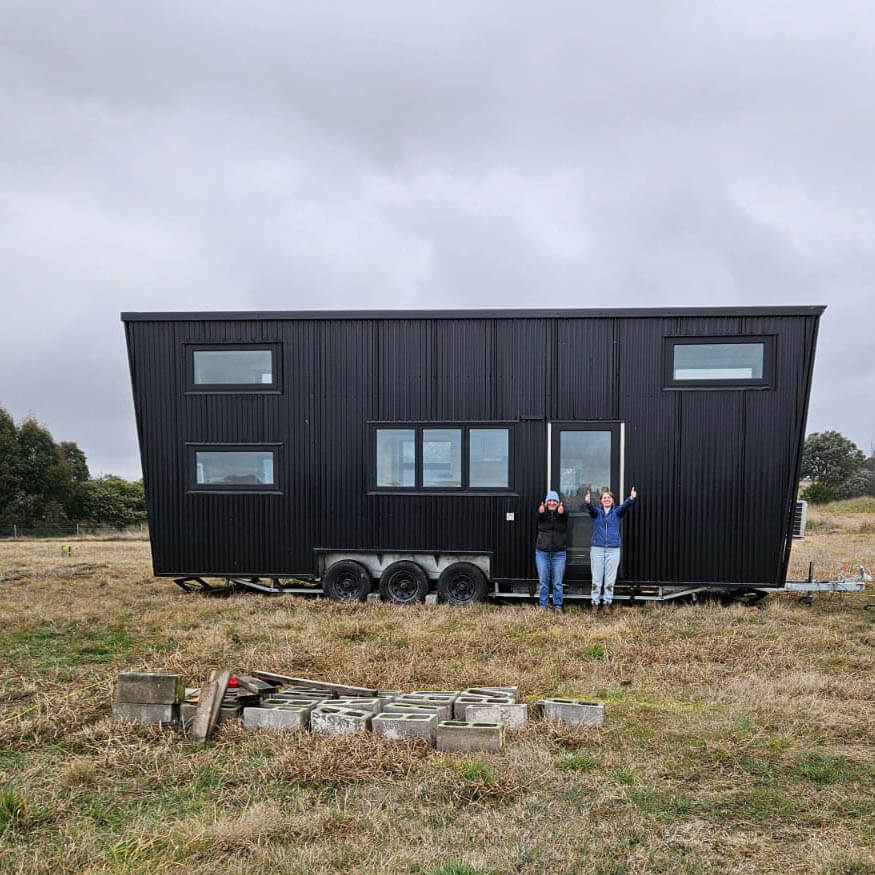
[[423, 154]]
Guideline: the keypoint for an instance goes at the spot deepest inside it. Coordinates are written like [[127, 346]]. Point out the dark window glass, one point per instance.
[[234, 468], [233, 367], [488, 457], [396, 457], [718, 361], [442, 457]]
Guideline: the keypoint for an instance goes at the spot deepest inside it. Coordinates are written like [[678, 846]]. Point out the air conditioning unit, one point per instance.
[[800, 517]]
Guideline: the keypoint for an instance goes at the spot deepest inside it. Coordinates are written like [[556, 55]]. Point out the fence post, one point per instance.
[[77, 530], [15, 531]]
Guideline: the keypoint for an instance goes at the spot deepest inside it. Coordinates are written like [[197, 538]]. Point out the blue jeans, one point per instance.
[[604, 561], [550, 565]]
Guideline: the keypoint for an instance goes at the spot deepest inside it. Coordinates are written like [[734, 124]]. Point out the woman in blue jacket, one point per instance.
[[604, 554]]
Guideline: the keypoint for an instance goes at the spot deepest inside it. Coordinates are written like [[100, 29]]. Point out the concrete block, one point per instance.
[[398, 726], [229, 712], [443, 694], [279, 718], [306, 692], [387, 696], [399, 706], [333, 720], [146, 688], [572, 712], [146, 712], [289, 699], [461, 704], [513, 693], [374, 706], [458, 736], [512, 715]]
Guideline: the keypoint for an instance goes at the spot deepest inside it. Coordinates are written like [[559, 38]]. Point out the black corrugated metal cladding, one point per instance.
[[716, 468]]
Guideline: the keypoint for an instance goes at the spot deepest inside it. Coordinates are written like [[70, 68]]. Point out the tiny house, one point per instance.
[[408, 451]]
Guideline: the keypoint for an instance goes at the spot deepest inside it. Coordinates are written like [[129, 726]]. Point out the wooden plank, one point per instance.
[[339, 689], [209, 706]]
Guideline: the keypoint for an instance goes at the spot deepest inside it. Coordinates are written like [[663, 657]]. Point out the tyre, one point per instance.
[[403, 583], [346, 581], [461, 583]]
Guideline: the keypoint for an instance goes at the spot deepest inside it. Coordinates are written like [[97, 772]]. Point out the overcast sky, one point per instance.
[[364, 154]]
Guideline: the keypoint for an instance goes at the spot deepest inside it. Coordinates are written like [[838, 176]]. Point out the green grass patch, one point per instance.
[[662, 804], [578, 762]]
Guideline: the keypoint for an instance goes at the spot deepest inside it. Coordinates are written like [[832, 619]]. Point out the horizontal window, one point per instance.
[[441, 458], [238, 367], [716, 362], [234, 468]]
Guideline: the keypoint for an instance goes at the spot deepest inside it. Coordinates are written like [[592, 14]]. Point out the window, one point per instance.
[[233, 368], [396, 457], [488, 457], [234, 468], [714, 362], [443, 458]]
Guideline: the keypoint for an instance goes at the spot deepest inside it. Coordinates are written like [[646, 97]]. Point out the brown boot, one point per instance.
[[608, 609], [594, 609]]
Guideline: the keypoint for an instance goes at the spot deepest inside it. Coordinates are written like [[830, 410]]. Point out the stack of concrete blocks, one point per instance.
[[492, 705], [572, 712], [147, 697]]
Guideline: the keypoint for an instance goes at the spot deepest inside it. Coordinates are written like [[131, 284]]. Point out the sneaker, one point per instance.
[[559, 609], [594, 609]]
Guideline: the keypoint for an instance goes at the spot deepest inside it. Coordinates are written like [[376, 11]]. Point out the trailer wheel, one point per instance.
[[347, 581], [403, 583], [461, 583]]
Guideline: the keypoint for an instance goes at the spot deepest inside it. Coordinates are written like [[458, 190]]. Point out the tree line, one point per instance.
[[43, 483]]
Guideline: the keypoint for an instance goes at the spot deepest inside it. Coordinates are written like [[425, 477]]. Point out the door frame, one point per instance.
[[617, 428], [618, 445]]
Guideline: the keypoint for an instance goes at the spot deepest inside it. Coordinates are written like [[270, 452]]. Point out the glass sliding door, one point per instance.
[[583, 455]]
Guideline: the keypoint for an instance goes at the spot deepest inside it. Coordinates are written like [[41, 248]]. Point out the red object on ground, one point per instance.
[[232, 682]]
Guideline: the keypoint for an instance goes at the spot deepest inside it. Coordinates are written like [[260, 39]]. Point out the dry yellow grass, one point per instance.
[[737, 739]]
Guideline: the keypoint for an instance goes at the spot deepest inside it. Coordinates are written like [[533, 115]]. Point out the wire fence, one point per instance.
[[74, 531]]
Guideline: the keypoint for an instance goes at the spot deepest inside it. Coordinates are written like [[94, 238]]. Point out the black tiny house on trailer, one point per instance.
[[413, 447]]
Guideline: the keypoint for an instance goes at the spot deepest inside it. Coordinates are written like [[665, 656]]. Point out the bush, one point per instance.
[[859, 483], [818, 493]]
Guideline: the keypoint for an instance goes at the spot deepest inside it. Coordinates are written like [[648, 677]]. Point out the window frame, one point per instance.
[[767, 381], [272, 388], [418, 489], [193, 448]]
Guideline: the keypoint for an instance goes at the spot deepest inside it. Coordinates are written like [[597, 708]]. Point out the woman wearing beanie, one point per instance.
[[604, 554], [550, 550]]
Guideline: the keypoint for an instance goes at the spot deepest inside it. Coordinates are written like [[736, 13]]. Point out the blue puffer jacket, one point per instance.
[[606, 526]]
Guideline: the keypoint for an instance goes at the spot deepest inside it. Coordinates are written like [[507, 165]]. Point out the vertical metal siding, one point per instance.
[[716, 468]]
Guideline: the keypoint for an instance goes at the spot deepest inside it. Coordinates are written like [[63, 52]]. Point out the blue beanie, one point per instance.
[[552, 496]]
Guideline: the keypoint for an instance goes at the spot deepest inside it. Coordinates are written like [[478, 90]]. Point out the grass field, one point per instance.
[[737, 739]]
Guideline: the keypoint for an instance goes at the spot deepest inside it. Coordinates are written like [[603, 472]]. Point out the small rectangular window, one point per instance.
[[235, 469], [233, 368], [442, 458], [396, 457], [488, 458], [718, 362]]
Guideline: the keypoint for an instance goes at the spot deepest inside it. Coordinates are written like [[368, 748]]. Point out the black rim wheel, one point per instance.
[[462, 583], [403, 583], [347, 581]]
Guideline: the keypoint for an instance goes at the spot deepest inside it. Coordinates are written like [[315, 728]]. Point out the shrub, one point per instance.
[[818, 493]]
